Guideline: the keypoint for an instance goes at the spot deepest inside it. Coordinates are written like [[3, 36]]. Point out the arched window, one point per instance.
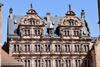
[[71, 22], [32, 21]]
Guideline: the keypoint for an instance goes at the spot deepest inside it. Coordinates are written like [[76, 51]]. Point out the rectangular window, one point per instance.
[[76, 33], [37, 63], [68, 33], [78, 63], [47, 48], [14, 48], [27, 32], [48, 63], [37, 48], [68, 63], [86, 48], [38, 32], [25, 48], [77, 48], [27, 63], [67, 48], [18, 48], [57, 48], [35, 32], [58, 63], [28, 48], [87, 63]]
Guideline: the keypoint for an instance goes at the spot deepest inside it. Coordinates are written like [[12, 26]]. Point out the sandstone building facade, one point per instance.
[[49, 41]]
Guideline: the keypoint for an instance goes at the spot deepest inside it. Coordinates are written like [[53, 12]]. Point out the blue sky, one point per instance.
[[55, 7]]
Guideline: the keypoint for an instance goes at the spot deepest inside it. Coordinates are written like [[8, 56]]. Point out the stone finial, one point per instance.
[[70, 12], [31, 11]]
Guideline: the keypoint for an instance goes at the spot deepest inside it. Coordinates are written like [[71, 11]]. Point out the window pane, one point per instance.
[[28, 63], [28, 47], [14, 48]]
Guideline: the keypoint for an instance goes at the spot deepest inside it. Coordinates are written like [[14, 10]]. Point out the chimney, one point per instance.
[[83, 14], [48, 15]]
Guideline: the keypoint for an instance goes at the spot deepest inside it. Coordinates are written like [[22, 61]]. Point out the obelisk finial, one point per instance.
[[31, 5], [69, 7]]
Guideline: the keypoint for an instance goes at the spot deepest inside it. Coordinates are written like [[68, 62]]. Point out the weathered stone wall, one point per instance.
[[97, 52]]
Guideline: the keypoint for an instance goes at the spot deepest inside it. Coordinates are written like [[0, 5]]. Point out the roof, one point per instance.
[[49, 22], [7, 60], [14, 22]]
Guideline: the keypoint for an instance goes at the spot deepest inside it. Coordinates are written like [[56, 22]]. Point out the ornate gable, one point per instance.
[[70, 19], [31, 18], [70, 25], [31, 25]]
